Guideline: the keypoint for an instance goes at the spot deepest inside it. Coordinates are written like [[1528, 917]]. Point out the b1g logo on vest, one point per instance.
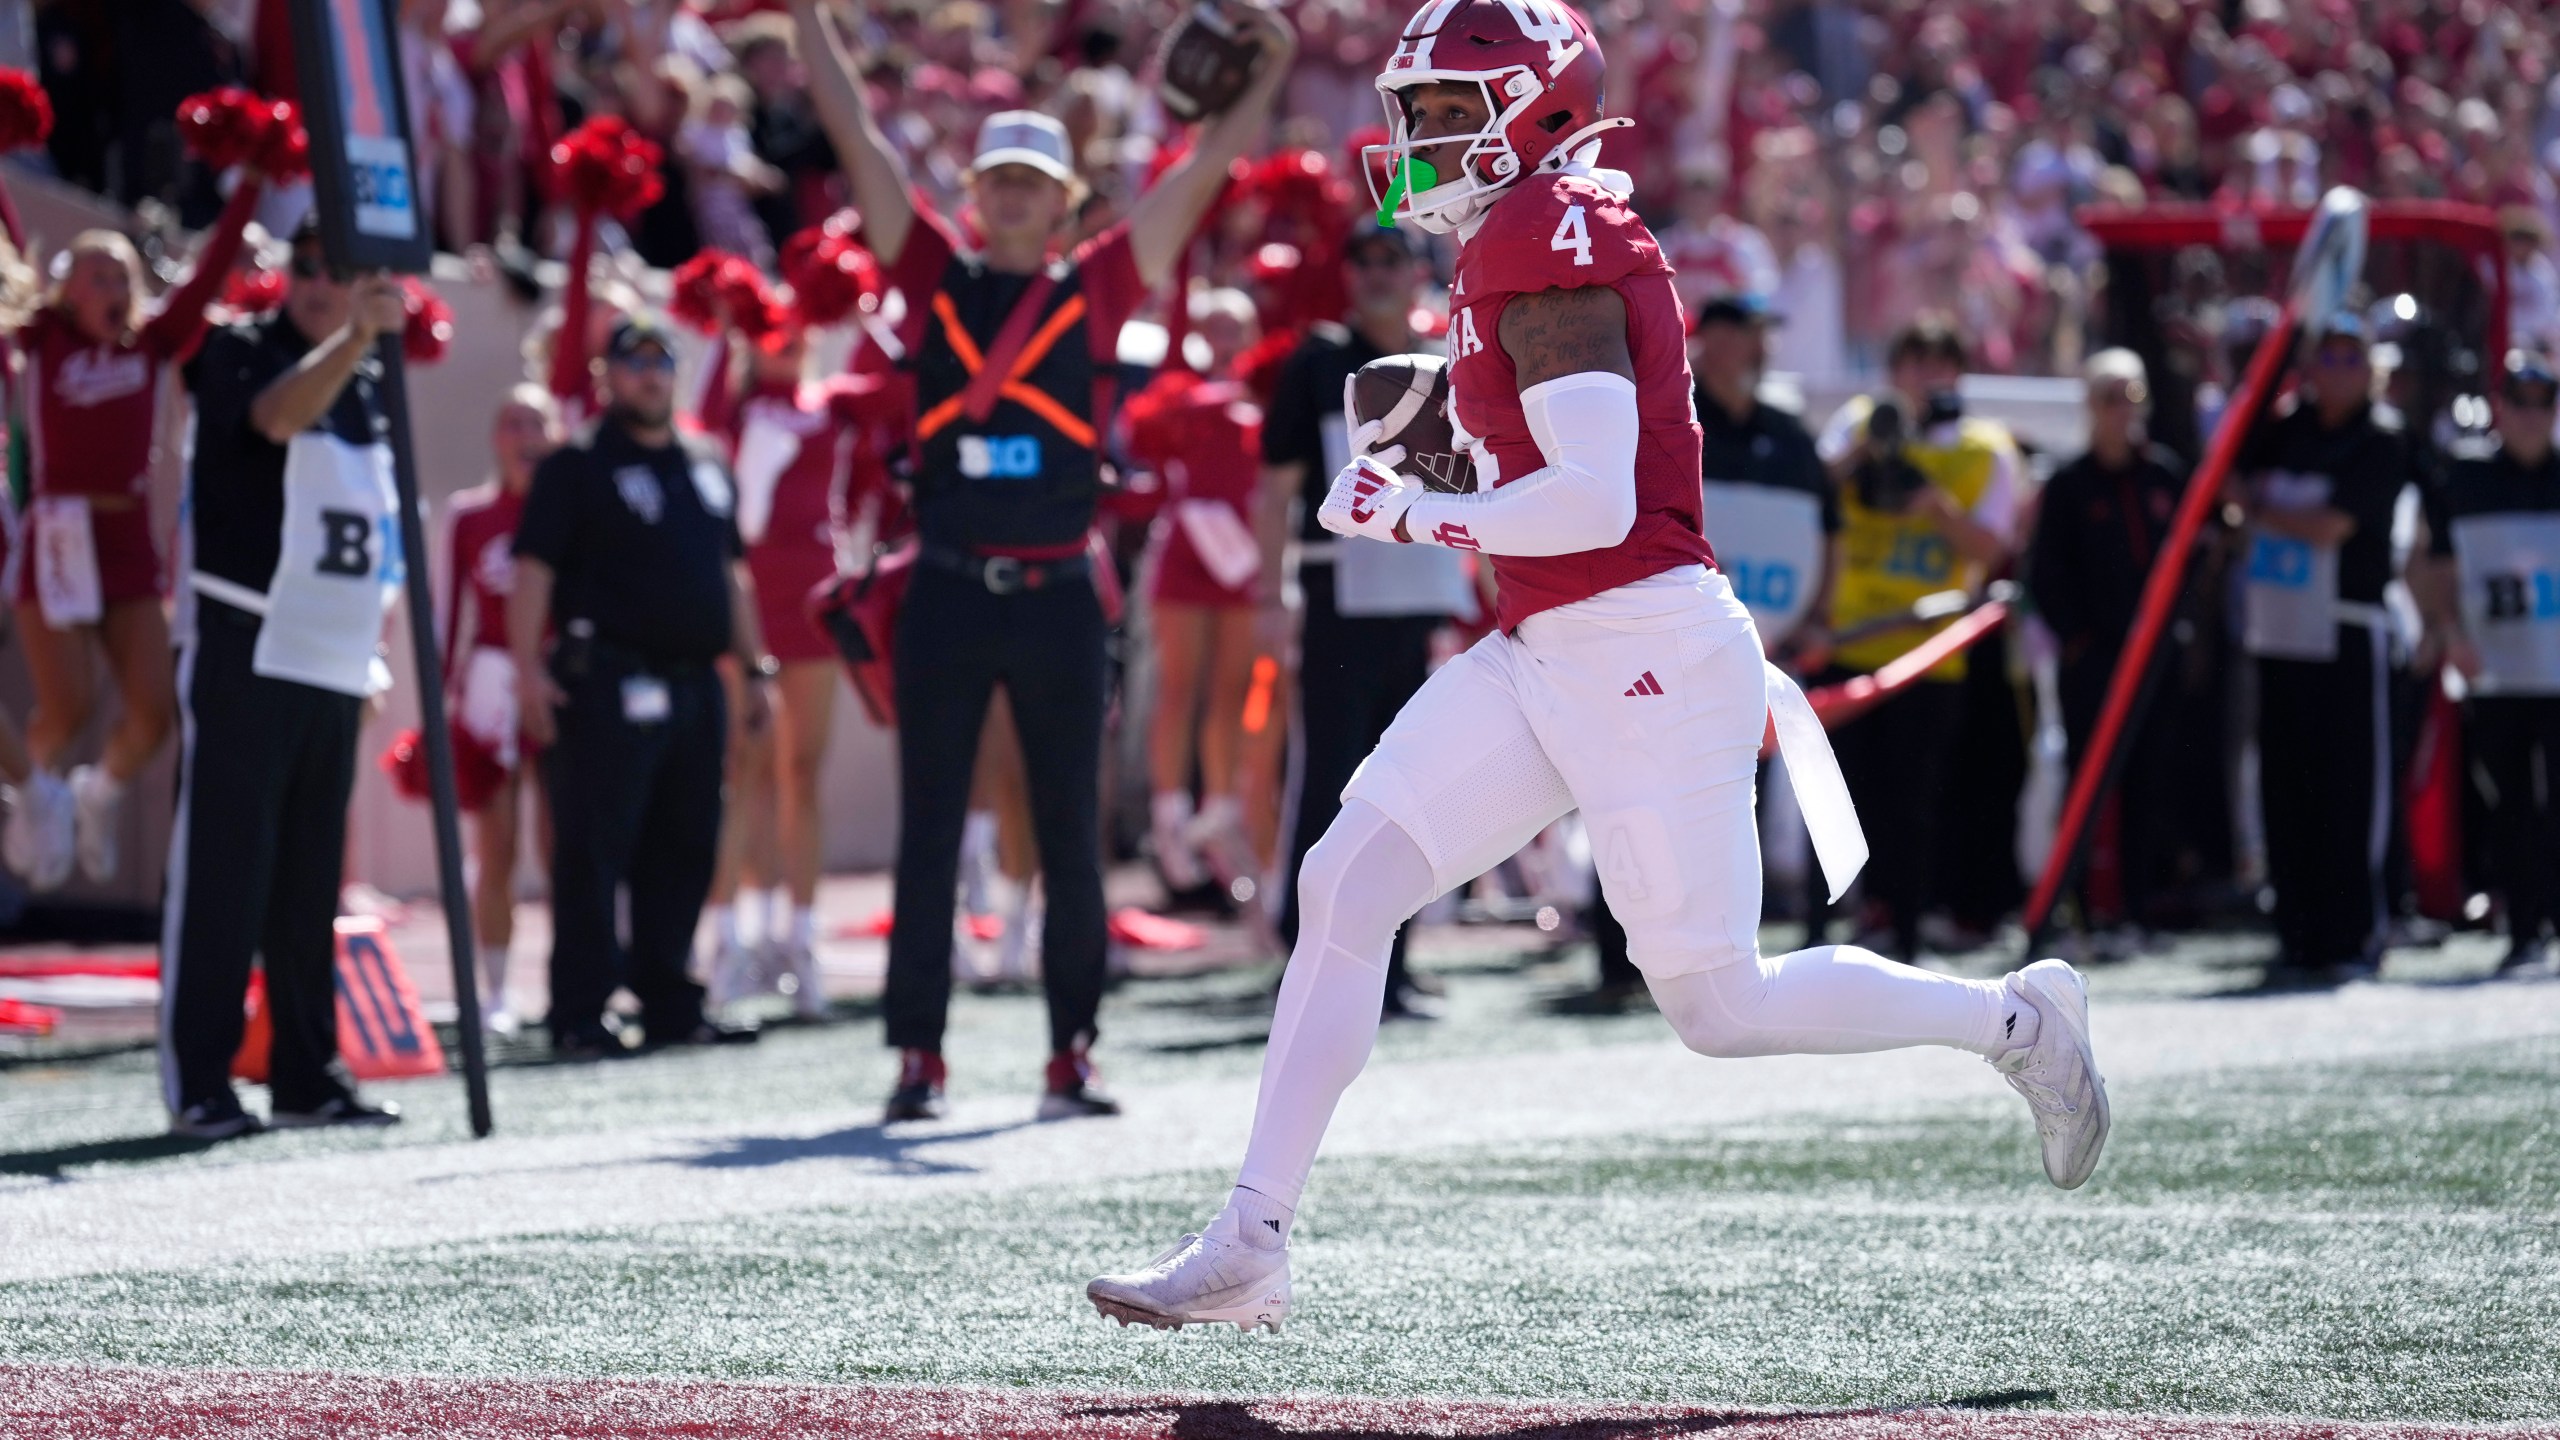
[[2522, 596], [346, 544], [999, 457]]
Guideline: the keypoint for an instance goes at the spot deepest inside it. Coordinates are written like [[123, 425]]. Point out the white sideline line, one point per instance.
[[181, 1217]]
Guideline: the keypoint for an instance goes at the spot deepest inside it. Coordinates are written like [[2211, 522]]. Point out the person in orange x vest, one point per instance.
[[1010, 346]]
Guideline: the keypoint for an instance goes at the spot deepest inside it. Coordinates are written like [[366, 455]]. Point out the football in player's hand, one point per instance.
[[1409, 395], [1209, 59]]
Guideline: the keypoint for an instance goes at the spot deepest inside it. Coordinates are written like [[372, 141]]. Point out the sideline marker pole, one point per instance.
[[2331, 257], [364, 183]]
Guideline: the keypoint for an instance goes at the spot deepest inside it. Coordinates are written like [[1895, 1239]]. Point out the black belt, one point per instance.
[[1008, 574]]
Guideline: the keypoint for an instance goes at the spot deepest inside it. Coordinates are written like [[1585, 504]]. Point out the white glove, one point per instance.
[[1368, 497]]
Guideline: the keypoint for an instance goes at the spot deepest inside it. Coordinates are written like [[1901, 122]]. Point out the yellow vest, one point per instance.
[[1894, 559]]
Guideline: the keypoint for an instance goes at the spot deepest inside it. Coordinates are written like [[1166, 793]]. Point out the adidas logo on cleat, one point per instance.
[[1646, 685]]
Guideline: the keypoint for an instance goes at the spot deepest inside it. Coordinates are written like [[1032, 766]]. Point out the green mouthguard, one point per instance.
[[1410, 178]]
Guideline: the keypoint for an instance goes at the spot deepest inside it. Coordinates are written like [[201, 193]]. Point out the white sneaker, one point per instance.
[[1210, 1278], [97, 808], [737, 972], [808, 990], [1217, 837], [1170, 828], [38, 840], [2058, 1073]]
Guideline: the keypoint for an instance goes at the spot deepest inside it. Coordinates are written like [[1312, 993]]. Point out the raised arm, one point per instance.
[[179, 322], [1578, 389], [1162, 220], [881, 186]]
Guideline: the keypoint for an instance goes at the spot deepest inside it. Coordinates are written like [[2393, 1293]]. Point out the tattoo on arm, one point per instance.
[[1553, 333]]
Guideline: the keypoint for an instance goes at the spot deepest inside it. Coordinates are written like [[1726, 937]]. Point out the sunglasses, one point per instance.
[[2532, 397], [2339, 358], [309, 265], [646, 361]]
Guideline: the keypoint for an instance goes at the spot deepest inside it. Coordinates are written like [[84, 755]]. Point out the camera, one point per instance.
[[1885, 480]]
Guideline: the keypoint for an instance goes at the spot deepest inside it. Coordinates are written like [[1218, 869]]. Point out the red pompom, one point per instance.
[[283, 152], [26, 112], [831, 274], [607, 168], [253, 292], [699, 287], [223, 127], [429, 332], [1300, 184], [477, 773]]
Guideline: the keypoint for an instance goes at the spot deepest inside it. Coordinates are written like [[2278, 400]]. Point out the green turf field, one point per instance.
[[2364, 1226]]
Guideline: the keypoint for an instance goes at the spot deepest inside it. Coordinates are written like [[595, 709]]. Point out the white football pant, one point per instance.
[[1645, 707]]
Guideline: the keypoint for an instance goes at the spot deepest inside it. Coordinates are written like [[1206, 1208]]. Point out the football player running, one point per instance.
[[1624, 678]]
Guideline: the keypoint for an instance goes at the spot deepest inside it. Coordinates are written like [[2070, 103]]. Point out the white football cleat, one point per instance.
[[38, 841], [97, 806], [2059, 1073], [1212, 1278]]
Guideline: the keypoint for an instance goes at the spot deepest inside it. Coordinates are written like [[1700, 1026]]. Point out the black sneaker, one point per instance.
[[1075, 1088], [704, 1032], [219, 1118], [588, 1043], [337, 1110], [919, 1092]]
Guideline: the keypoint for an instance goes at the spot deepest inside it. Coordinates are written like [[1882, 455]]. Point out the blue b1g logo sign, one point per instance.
[[2275, 560], [386, 203], [1765, 585], [999, 457]]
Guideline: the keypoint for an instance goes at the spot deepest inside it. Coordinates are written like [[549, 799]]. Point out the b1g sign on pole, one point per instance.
[[347, 55], [364, 173]]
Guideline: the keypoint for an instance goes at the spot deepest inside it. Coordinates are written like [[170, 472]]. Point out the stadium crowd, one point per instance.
[[1872, 198]]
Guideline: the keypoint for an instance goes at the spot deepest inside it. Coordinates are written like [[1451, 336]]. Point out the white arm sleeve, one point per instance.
[[1583, 499]]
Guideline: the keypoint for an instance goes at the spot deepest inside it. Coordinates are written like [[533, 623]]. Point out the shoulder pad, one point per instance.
[[1329, 332], [1556, 232]]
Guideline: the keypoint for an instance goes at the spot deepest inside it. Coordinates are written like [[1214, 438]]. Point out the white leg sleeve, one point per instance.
[[1831, 1000], [1362, 880]]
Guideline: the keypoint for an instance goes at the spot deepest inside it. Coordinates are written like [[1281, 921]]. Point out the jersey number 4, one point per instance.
[[1573, 233]]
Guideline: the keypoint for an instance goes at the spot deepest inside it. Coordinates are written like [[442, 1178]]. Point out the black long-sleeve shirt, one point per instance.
[[2097, 535]]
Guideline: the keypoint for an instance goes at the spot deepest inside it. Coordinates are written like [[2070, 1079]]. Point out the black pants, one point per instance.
[[956, 640], [1894, 759], [2324, 770], [635, 804], [1354, 674], [2145, 793], [2515, 748], [1977, 876], [258, 853]]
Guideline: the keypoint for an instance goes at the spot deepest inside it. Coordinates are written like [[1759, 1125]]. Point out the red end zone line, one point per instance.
[[64, 1402]]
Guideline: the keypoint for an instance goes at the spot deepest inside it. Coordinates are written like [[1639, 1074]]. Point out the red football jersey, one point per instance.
[[480, 532], [1557, 232]]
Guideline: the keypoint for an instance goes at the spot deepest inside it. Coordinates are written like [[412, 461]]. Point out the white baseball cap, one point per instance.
[[1024, 137]]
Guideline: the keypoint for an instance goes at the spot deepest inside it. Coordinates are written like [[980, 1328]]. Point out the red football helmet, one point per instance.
[[1539, 69]]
